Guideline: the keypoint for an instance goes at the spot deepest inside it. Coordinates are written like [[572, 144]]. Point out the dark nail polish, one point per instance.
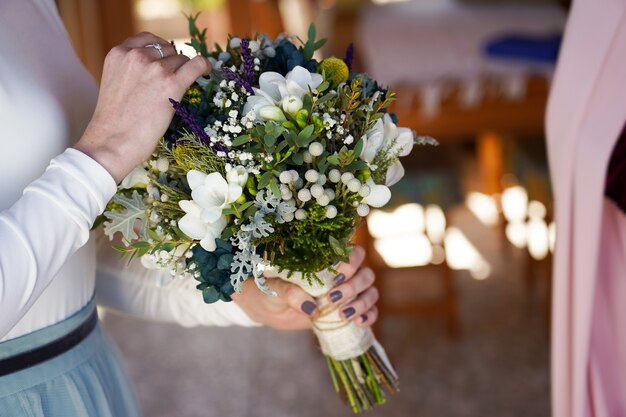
[[335, 296], [364, 318], [308, 307], [349, 312], [339, 279]]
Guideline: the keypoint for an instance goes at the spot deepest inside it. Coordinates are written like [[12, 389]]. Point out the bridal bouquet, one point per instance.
[[265, 171]]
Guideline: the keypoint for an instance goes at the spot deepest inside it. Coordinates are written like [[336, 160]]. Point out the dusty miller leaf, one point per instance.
[[124, 222]]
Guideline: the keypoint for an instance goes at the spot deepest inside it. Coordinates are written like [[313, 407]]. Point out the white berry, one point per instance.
[[312, 175], [300, 214], [331, 212], [346, 176], [363, 210], [334, 175], [317, 190], [304, 195], [354, 185], [316, 149]]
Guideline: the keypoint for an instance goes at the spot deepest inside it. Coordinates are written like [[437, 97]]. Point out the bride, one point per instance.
[[55, 359]]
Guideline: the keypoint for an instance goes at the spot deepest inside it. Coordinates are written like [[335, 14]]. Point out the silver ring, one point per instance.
[[158, 48]]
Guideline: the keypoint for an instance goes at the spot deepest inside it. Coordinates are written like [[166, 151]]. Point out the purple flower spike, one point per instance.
[[349, 58], [195, 128], [241, 82], [248, 61]]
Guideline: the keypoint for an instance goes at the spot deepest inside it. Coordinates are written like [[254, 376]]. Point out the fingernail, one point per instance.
[[335, 296], [363, 318], [349, 312], [339, 279], [308, 307]]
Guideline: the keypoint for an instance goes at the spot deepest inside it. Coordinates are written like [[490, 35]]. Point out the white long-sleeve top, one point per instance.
[[50, 195]]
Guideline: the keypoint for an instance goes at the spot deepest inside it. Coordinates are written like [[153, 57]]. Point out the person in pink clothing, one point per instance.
[[586, 115]]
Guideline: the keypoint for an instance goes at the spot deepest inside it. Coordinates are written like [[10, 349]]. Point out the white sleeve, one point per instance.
[[131, 288], [45, 227]]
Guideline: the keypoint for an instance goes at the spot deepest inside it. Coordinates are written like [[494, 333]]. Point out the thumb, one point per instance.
[[294, 296], [192, 70]]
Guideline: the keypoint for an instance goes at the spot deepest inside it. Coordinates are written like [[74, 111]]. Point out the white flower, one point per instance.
[[237, 175], [379, 194], [138, 177], [394, 174], [384, 134], [291, 104], [212, 193], [193, 225], [267, 99]]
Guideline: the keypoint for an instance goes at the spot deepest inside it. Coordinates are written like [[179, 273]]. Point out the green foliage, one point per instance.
[[311, 245]]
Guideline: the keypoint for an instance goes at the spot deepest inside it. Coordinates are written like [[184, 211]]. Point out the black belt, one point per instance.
[[50, 350]]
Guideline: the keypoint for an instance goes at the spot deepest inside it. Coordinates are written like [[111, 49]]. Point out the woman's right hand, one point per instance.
[[133, 110]]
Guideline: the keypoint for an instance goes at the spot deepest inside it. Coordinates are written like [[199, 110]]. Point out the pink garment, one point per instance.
[[586, 113]]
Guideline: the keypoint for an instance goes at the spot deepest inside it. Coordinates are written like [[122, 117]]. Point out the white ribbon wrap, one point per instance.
[[340, 339]]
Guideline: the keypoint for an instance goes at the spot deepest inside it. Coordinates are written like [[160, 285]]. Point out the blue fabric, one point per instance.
[[543, 49], [89, 380]]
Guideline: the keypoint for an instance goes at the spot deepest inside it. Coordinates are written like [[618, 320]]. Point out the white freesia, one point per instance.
[[212, 193], [291, 104], [193, 225], [386, 136], [138, 177], [237, 175], [394, 174], [267, 101], [379, 194]]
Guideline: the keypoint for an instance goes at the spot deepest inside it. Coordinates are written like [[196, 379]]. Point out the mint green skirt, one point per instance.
[[89, 380]]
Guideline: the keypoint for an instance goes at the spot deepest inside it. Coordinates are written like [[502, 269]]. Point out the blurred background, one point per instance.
[[463, 252]]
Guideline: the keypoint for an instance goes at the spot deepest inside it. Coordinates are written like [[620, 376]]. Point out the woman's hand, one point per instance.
[[133, 110], [292, 308]]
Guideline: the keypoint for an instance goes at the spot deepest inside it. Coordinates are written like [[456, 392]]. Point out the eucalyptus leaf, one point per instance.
[[240, 140], [265, 180], [210, 295]]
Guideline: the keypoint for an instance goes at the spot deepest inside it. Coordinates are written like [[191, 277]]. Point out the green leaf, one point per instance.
[[265, 180], [124, 221], [307, 103], [333, 159], [245, 205], [358, 148], [308, 50], [289, 125], [357, 165], [210, 295], [312, 32], [274, 187], [306, 132], [320, 43], [297, 158], [322, 87], [336, 246], [269, 141], [154, 235], [240, 140]]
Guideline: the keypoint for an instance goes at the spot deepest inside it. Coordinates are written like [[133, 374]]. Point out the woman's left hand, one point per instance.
[[292, 308]]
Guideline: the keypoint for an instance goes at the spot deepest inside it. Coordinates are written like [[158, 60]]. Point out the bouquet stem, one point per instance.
[[363, 380], [358, 365]]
